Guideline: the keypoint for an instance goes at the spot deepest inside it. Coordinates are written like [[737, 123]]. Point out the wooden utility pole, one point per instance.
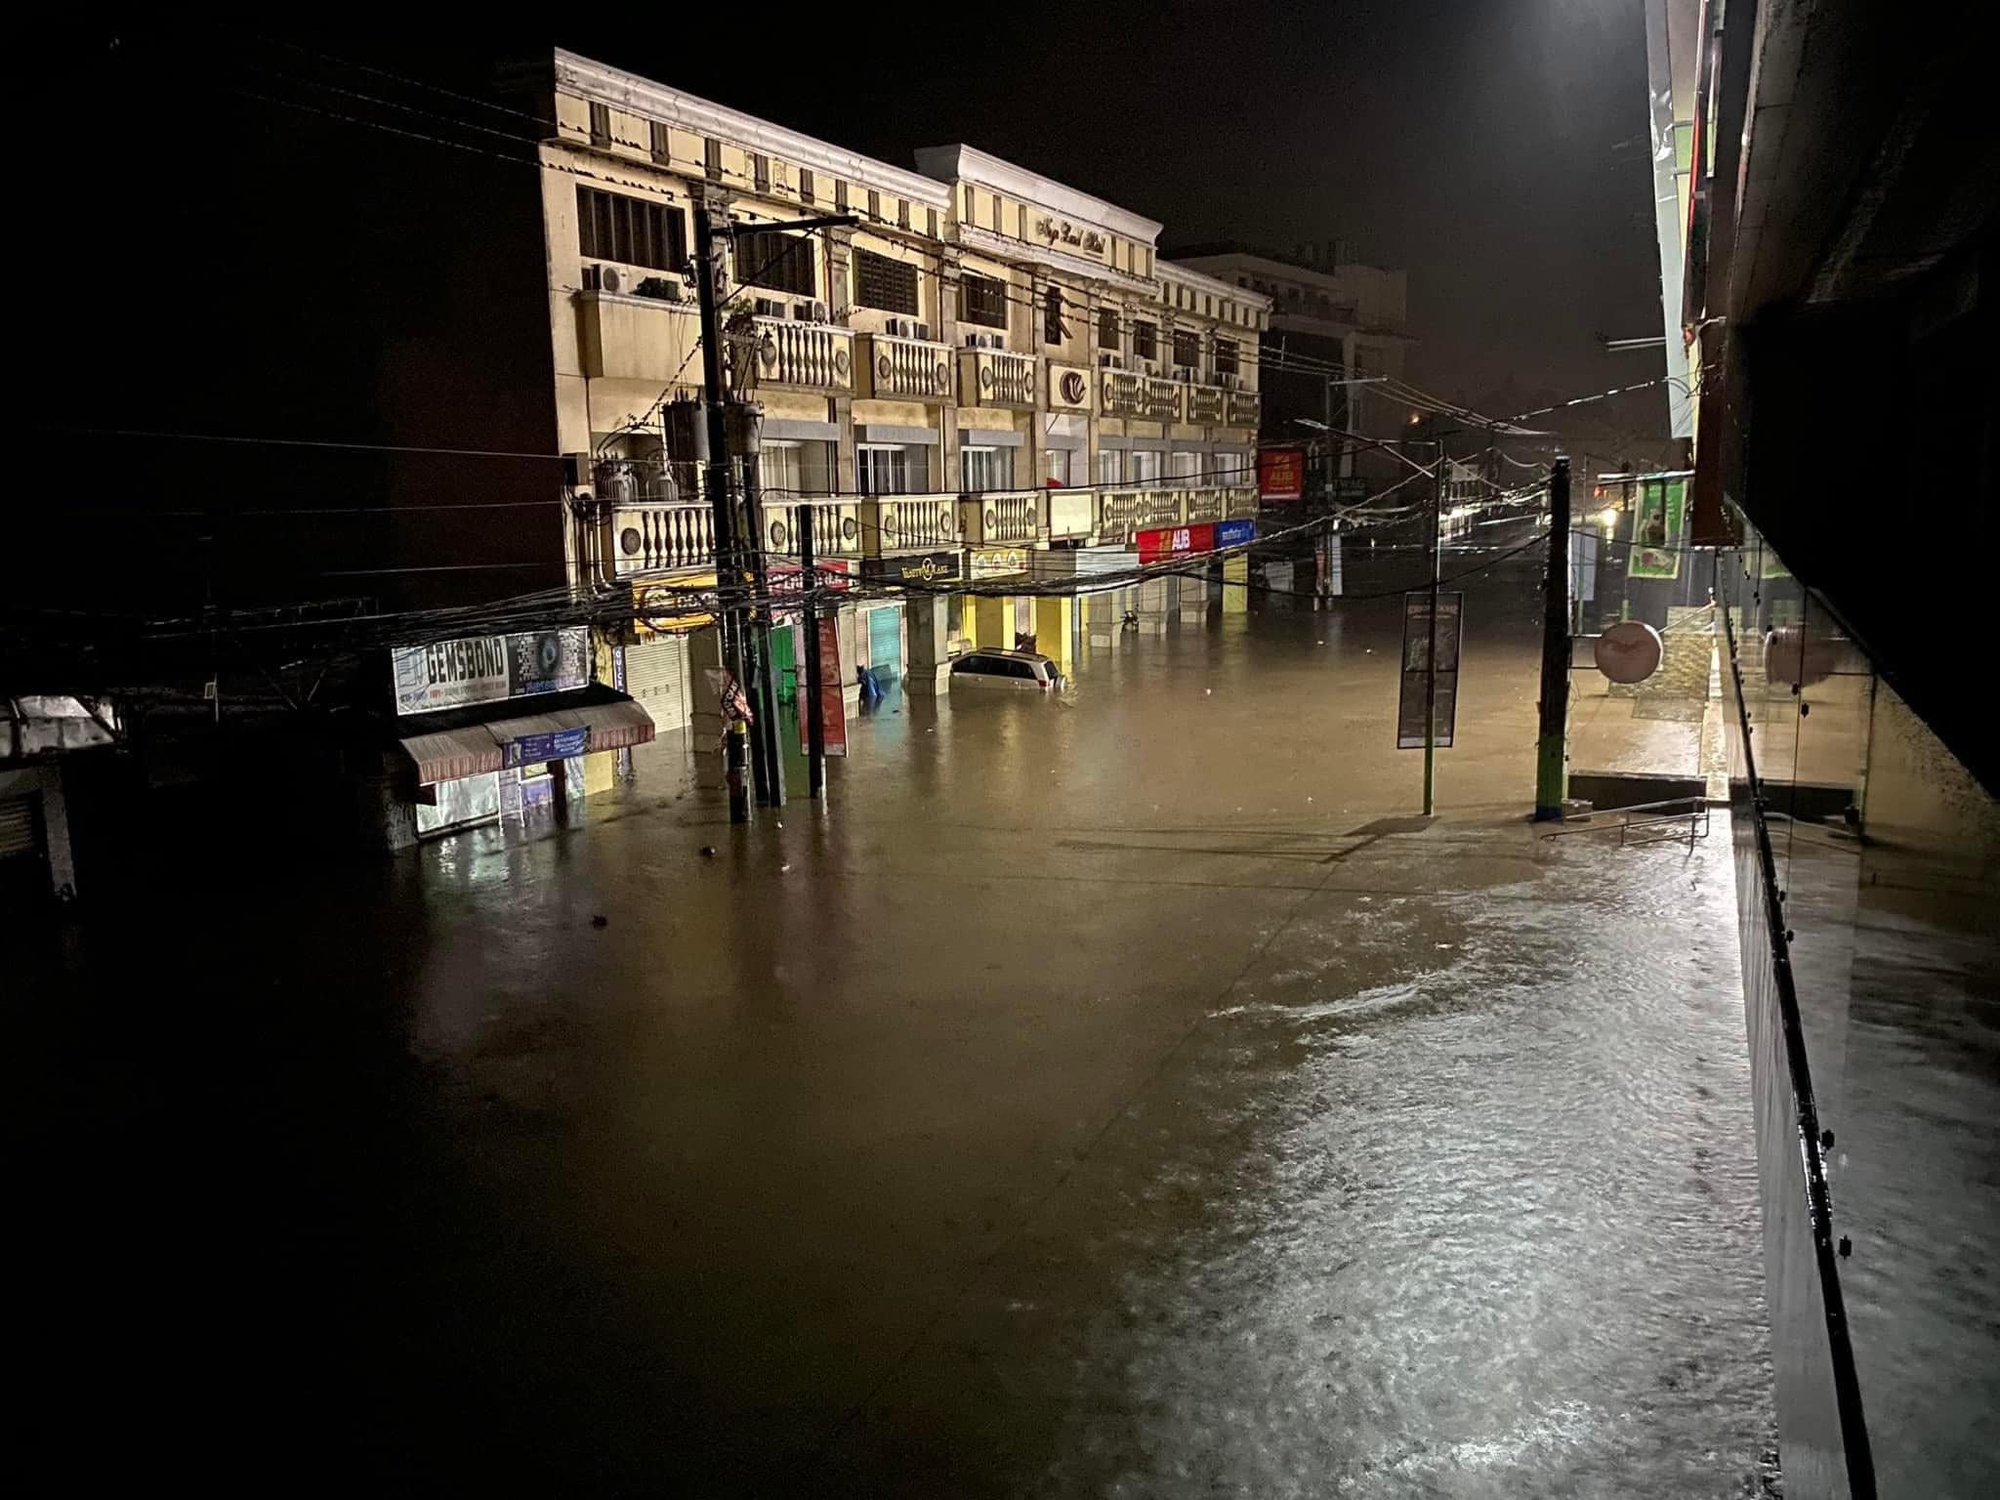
[[1554, 727]]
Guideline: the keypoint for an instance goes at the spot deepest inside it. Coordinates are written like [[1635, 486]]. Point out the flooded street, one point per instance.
[[1119, 1094]]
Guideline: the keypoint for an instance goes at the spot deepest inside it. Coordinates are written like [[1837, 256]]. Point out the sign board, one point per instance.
[[538, 749], [998, 562], [1582, 565], [1350, 490], [833, 702], [1657, 528], [1237, 533], [1281, 473], [1175, 541], [489, 668], [674, 607], [1069, 388], [831, 572], [918, 567], [1416, 664]]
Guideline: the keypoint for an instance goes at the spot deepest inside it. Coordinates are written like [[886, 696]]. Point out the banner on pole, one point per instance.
[[1416, 664]]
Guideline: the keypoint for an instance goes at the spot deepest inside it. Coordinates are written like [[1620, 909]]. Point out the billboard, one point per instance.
[[1281, 473], [1658, 527], [1416, 668], [489, 668], [1175, 541]]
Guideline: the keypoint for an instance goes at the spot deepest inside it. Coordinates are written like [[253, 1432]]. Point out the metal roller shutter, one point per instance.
[[656, 673], [17, 826]]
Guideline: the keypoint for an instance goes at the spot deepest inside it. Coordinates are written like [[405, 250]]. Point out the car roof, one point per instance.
[[1009, 654]]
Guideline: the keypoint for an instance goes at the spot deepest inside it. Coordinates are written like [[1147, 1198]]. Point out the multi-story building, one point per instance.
[[1334, 323], [988, 376]]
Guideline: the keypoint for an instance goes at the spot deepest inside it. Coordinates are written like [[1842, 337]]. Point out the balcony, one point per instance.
[[1246, 409], [1206, 403], [905, 369], [999, 519], [1206, 505], [1123, 513], [836, 527], [1240, 501], [804, 356], [1126, 393], [993, 377], [635, 338], [908, 523], [661, 538]]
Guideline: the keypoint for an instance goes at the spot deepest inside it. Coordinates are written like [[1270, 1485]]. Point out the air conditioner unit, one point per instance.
[[1111, 361], [768, 307], [923, 331], [975, 341], [809, 312], [896, 328], [1227, 382], [603, 279]]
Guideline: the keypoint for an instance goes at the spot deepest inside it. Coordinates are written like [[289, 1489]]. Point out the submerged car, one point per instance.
[[992, 667]]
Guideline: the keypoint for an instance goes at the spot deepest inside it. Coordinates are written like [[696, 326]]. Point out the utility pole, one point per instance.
[[708, 274], [1549, 779], [815, 705], [1431, 657], [766, 762]]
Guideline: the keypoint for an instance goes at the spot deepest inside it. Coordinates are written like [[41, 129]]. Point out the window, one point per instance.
[[1021, 221], [893, 468], [1187, 349], [985, 469], [1052, 316], [711, 158], [632, 231], [874, 206], [1143, 466], [1207, 305], [1110, 467], [760, 171], [1055, 465], [1225, 356], [1145, 340], [600, 124], [787, 469], [779, 262], [997, 221], [661, 153], [806, 184], [971, 217], [982, 300], [902, 213], [840, 194], [888, 284], [1107, 328], [930, 222], [1185, 465]]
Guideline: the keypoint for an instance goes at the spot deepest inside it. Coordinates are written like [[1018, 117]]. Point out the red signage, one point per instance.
[[833, 702], [834, 573], [1175, 541], [1281, 473]]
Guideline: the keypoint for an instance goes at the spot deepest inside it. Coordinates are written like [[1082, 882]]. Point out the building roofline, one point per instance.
[[960, 162], [614, 86], [1282, 264], [1172, 270]]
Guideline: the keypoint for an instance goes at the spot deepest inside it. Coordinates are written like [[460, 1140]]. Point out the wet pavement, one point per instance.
[[1112, 1095]]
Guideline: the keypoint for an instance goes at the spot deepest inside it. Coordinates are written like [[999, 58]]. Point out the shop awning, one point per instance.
[[447, 754]]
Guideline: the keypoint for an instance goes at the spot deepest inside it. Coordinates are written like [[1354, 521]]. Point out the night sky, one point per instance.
[[1494, 148]]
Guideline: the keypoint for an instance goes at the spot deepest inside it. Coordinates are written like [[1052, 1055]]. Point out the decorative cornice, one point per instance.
[[968, 164], [654, 101]]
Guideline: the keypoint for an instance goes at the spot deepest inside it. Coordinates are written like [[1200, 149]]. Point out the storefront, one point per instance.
[[492, 726]]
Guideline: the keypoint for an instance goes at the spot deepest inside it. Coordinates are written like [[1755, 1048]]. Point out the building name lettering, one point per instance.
[[1062, 232], [466, 661]]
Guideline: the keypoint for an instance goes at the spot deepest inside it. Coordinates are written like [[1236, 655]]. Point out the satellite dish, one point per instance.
[[1628, 652]]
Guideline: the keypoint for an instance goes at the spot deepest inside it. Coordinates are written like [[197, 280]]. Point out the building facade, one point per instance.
[[986, 377], [1334, 324]]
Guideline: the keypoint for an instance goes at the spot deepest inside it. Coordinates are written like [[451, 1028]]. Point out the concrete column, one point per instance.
[[704, 651], [1055, 630], [991, 621], [1151, 604], [840, 299], [927, 622], [1235, 577], [1193, 597]]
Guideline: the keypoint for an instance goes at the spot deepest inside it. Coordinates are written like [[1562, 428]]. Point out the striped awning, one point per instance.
[[449, 754]]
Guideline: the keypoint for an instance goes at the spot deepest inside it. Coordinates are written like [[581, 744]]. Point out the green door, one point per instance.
[[885, 643], [785, 661]]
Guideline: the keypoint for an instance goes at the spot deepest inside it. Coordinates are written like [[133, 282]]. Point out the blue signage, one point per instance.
[[535, 749], [1235, 533]]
